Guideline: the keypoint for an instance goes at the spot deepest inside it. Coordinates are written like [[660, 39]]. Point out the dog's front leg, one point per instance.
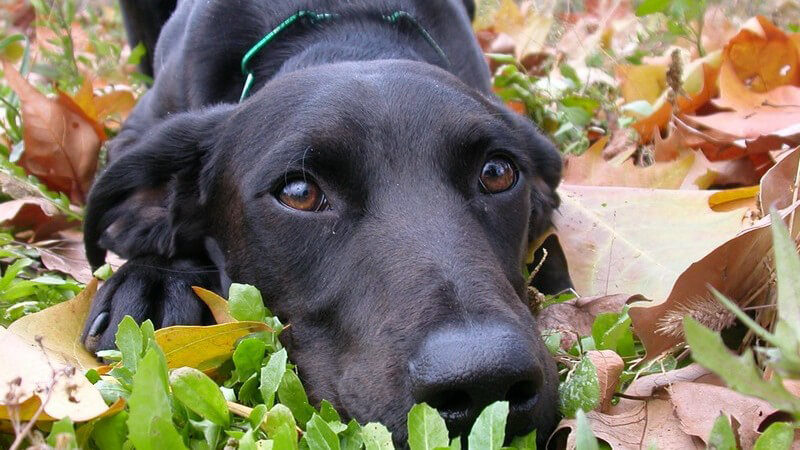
[[154, 288]]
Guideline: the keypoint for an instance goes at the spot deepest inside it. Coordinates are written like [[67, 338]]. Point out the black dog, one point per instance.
[[370, 186]]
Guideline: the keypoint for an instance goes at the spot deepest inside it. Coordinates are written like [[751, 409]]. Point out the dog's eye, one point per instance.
[[303, 195], [498, 175]]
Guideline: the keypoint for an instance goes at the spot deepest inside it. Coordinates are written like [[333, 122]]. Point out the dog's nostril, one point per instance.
[[521, 394], [451, 402]]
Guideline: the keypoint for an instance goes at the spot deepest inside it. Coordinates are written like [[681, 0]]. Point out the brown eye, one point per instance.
[[303, 195], [498, 175]]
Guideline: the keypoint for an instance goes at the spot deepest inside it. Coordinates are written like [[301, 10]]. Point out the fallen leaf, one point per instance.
[[642, 82], [203, 348], [215, 303], [528, 29], [777, 185], [72, 395], [575, 317], [637, 240], [60, 327], [65, 253], [648, 385], [35, 214], [737, 268], [609, 367], [697, 405], [61, 146]]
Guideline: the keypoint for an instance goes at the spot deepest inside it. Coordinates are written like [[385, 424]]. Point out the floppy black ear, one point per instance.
[[149, 200]]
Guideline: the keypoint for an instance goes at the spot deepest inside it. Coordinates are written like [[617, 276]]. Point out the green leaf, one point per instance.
[[376, 437], [63, 427], [150, 411], [111, 432], [581, 389], [778, 436], [245, 303], [129, 342], [104, 272], [612, 331], [320, 436], [257, 416], [281, 427], [648, 7], [584, 437], [489, 429], [350, 439], [527, 442], [426, 428], [740, 373], [328, 412], [200, 394], [248, 356], [722, 437], [271, 375], [787, 269], [248, 441], [293, 395]]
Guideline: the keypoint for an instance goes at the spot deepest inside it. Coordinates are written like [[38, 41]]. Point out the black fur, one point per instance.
[[409, 288]]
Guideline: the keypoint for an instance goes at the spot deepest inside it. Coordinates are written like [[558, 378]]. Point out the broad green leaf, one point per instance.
[[248, 441], [271, 375], [293, 395], [328, 412], [778, 436], [584, 437], [246, 303], [581, 390], [129, 341], [150, 412], [787, 269], [376, 437], [648, 7], [527, 442], [278, 416], [426, 428], [612, 331], [284, 438], [350, 439], [200, 394], [257, 416], [248, 356], [111, 432], [248, 393], [489, 429], [722, 437], [320, 436], [63, 427], [740, 373]]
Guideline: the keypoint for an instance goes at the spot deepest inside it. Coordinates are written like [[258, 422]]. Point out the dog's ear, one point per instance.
[[149, 200]]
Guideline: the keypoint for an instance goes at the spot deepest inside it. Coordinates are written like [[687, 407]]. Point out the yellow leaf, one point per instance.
[[217, 305], [203, 348]]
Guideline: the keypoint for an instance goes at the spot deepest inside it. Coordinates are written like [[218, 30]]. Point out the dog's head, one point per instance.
[[385, 211]]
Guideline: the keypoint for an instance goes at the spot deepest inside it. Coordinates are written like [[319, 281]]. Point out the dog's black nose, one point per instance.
[[459, 371]]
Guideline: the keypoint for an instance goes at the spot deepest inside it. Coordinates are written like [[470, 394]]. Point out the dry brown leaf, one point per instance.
[[528, 28], [698, 405], [575, 317], [637, 240], [738, 268], [35, 214], [777, 186], [647, 386], [61, 145], [60, 327], [609, 366], [65, 253], [72, 394], [650, 422]]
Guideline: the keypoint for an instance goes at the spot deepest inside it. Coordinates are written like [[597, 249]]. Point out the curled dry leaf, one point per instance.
[[777, 185], [215, 303], [65, 253], [739, 268], [637, 240], [36, 214], [609, 366], [72, 395], [575, 317], [647, 386], [61, 144], [698, 405], [60, 328]]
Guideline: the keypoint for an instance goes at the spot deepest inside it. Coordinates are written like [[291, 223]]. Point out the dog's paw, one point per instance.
[[148, 288]]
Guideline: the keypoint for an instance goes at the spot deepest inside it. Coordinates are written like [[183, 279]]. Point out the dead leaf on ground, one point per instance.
[[72, 395], [217, 305], [60, 327], [648, 385], [637, 240], [609, 366], [203, 348], [65, 253], [777, 186], [34, 214], [698, 405], [738, 267], [61, 145], [575, 317]]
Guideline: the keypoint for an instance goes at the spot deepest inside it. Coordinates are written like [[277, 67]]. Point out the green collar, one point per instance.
[[315, 17]]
